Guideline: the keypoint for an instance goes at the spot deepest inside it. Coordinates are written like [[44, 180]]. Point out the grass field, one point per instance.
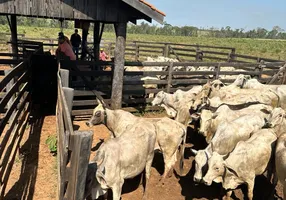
[[275, 49]]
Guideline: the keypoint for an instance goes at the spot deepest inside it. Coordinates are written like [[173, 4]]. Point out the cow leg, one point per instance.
[[250, 187], [169, 164], [227, 195], [284, 191], [116, 190], [147, 174]]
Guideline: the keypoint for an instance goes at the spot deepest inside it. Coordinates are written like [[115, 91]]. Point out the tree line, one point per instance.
[[166, 29]]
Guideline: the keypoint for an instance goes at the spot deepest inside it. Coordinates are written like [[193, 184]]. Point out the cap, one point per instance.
[[101, 49], [61, 35]]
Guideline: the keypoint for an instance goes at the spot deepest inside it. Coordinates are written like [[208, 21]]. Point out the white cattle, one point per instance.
[[122, 158], [248, 159], [277, 121], [170, 134], [209, 121], [280, 161], [235, 96], [228, 134]]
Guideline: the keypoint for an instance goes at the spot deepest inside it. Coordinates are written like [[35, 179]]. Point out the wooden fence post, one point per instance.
[[137, 53], [69, 94], [217, 70], [170, 77], [65, 77], [231, 57], [166, 51], [260, 69], [275, 77], [80, 145], [199, 54]]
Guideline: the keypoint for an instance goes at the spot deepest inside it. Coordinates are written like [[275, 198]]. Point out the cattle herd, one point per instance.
[[243, 123]]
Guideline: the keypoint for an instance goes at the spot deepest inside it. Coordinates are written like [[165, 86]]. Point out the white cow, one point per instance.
[[249, 159], [122, 158], [280, 161], [170, 134], [209, 121], [228, 134]]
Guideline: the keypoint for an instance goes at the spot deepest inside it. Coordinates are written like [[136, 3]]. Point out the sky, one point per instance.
[[246, 14]]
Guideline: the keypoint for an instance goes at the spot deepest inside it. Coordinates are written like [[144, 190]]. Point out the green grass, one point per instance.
[[275, 49]]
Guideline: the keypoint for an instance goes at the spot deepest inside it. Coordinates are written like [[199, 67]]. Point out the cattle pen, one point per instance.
[[36, 82]]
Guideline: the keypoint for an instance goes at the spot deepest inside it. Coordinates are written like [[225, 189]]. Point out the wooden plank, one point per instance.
[[12, 91], [14, 122], [7, 116], [22, 7], [80, 9], [38, 7], [67, 9], [69, 94], [8, 88], [53, 8], [64, 77], [19, 133], [10, 61], [79, 103], [80, 145]]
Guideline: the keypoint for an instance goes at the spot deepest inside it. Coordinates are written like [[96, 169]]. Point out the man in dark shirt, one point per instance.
[[75, 41]]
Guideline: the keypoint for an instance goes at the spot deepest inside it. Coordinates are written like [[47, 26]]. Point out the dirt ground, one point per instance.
[[176, 187], [34, 174]]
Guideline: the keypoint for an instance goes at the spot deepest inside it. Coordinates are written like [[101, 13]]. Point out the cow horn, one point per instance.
[[195, 152]]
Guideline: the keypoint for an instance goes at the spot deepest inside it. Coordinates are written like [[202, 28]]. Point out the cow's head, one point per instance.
[[201, 160], [215, 169], [98, 116], [217, 84], [241, 79], [159, 98], [206, 119], [276, 118]]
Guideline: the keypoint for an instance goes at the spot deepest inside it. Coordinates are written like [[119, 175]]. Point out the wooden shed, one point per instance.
[[117, 12]]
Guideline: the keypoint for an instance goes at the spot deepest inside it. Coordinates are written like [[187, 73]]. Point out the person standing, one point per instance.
[[75, 41], [102, 55], [64, 48]]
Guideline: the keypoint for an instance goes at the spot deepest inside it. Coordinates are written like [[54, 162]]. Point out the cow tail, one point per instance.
[[182, 151]]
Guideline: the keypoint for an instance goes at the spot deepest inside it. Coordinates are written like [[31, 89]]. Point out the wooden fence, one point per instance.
[[87, 77], [139, 50], [73, 148], [14, 107]]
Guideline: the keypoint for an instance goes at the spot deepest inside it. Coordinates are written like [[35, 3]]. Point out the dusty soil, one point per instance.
[[176, 187], [34, 173]]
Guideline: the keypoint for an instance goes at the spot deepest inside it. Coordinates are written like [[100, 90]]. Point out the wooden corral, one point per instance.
[[136, 94], [15, 106]]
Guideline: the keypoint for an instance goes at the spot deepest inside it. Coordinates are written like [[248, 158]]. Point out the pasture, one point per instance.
[[268, 48]]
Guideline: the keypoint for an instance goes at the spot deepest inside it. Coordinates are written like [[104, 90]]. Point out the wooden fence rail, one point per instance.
[[73, 150], [139, 50], [137, 94], [14, 118]]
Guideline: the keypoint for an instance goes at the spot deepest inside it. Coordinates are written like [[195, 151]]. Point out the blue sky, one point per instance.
[[247, 14]]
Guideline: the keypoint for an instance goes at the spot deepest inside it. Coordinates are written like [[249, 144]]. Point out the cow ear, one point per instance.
[[195, 152], [214, 115], [212, 146], [266, 111], [100, 178], [231, 170], [225, 156]]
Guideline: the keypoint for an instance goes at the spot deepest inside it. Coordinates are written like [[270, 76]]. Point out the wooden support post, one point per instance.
[[117, 82], [80, 145], [275, 77], [137, 53], [217, 70], [65, 77], [166, 52], [199, 54], [260, 69], [84, 40], [96, 40], [231, 57], [14, 38], [170, 77], [69, 94]]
